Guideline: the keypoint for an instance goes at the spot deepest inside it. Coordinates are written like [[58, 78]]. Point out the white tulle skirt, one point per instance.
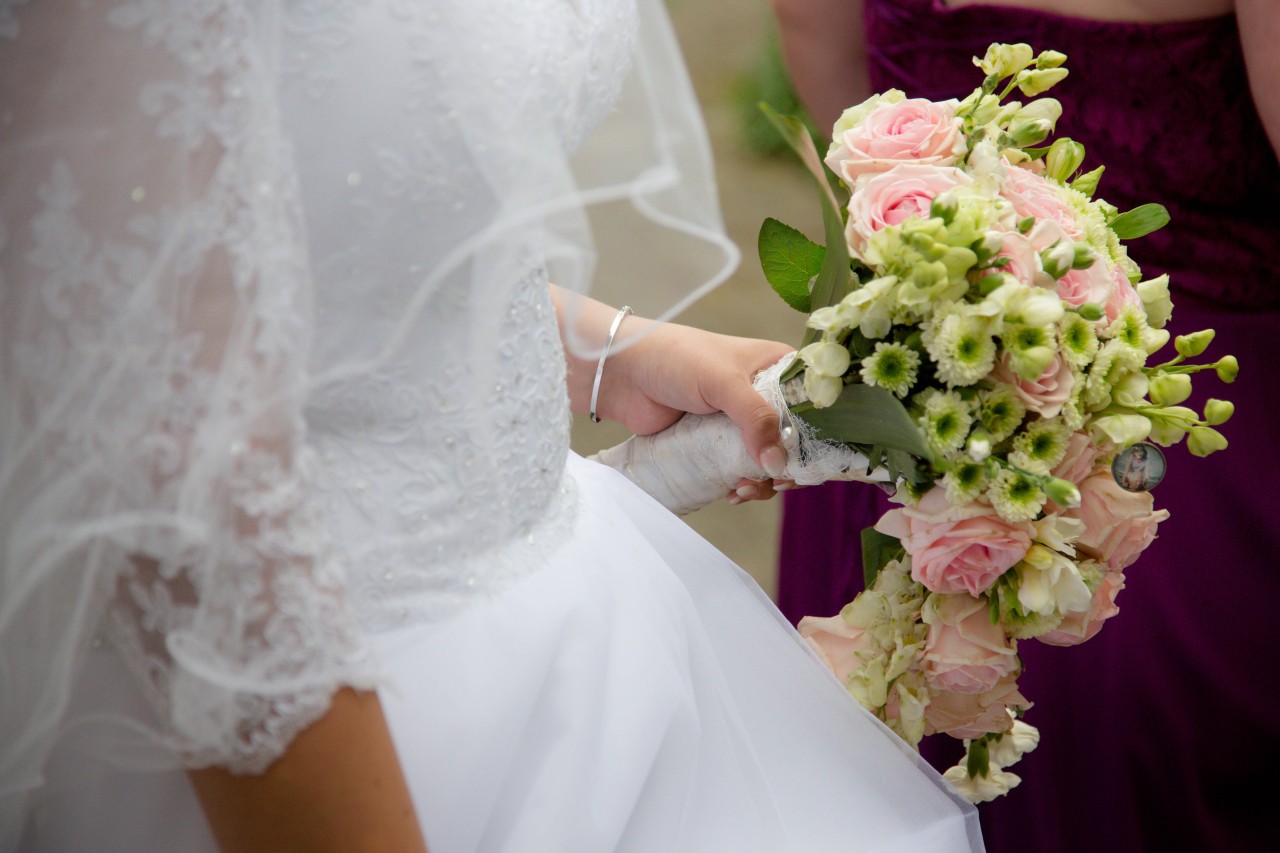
[[639, 694]]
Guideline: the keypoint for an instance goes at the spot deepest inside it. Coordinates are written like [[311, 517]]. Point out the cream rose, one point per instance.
[[1083, 625], [837, 642], [972, 715], [907, 131], [1047, 393], [964, 652], [1118, 525], [894, 197], [956, 549]]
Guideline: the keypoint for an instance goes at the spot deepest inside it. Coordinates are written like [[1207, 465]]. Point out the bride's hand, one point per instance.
[[669, 370]]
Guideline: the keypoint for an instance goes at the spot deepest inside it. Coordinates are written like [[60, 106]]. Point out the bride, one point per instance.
[[294, 556]]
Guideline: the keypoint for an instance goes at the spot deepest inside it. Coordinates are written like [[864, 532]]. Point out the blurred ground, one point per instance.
[[722, 42]]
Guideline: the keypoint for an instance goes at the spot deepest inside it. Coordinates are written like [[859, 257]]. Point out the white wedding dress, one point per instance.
[[283, 408]]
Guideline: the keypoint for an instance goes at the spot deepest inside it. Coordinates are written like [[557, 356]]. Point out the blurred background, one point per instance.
[[732, 55]]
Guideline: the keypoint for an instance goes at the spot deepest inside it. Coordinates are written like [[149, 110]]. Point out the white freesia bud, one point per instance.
[[826, 358], [1131, 391], [1050, 583], [821, 390], [830, 319], [1154, 294], [1032, 83], [1029, 306], [1204, 440], [1058, 258], [1122, 430], [1050, 59], [1014, 744], [981, 789], [1218, 411], [1063, 158]]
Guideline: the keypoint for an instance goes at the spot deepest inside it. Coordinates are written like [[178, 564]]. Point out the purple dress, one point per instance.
[[1162, 733]]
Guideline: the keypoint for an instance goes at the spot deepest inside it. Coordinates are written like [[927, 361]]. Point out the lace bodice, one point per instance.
[[279, 360]]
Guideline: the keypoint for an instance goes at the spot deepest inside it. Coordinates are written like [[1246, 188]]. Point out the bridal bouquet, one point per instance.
[[978, 332]]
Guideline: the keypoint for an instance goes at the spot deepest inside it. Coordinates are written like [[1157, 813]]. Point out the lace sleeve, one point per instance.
[[154, 330]]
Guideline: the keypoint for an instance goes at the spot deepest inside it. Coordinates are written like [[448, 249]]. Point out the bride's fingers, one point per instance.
[[752, 490]]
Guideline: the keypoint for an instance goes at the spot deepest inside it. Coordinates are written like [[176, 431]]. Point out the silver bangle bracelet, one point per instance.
[[604, 353]]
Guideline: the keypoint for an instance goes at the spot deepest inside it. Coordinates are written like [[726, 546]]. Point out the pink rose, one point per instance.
[[1084, 624], [1082, 453], [1034, 195], [1077, 287], [1122, 295], [956, 549], [836, 641], [1047, 393], [1024, 261], [964, 652], [971, 715], [1118, 525], [895, 196], [910, 131]]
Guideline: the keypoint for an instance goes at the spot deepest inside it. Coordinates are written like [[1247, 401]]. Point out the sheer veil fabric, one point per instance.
[[260, 262]]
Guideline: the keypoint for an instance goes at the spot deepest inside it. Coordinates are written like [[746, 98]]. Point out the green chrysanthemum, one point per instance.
[[965, 481], [1115, 360], [945, 419], [962, 349], [1030, 348], [1015, 495], [1079, 341], [892, 367], [1001, 412], [1041, 446]]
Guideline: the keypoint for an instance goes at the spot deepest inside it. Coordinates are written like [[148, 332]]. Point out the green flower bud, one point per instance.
[[1026, 224], [989, 246], [1088, 182], [1154, 294], [1004, 60], [1063, 158], [1058, 259], [989, 284], [1227, 368], [1033, 132], [1170, 424], [1091, 311], [1218, 411], [1205, 440], [1062, 492], [1050, 59], [1190, 346], [1032, 83], [945, 206], [1170, 389], [1085, 256]]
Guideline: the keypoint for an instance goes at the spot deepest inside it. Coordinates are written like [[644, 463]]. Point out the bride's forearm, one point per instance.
[[338, 787], [584, 326]]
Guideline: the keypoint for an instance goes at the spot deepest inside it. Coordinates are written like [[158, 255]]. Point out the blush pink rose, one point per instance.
[[964, 651], [836, 641], [1034, 195], [912, 131], [956, 549], [1047, 393], [896, 196], [972, 715], [1122, 295], [1078, 463], [1118, 525], [1023, 261], [1077, 287], [1084, 624]]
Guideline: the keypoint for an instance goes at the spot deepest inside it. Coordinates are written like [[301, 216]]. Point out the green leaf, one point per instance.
[[1140, 221], [978, 762], [863, 414], [833, 282], [878, 550], [790, 262]]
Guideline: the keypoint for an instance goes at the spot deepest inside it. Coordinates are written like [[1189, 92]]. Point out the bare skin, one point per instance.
[[338, 788], [825, 47], [673, 369]]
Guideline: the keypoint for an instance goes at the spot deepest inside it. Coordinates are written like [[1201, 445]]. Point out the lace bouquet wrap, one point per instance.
[[978, 333]]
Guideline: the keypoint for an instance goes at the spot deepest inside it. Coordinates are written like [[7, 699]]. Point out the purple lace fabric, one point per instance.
[[1160, 733]]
